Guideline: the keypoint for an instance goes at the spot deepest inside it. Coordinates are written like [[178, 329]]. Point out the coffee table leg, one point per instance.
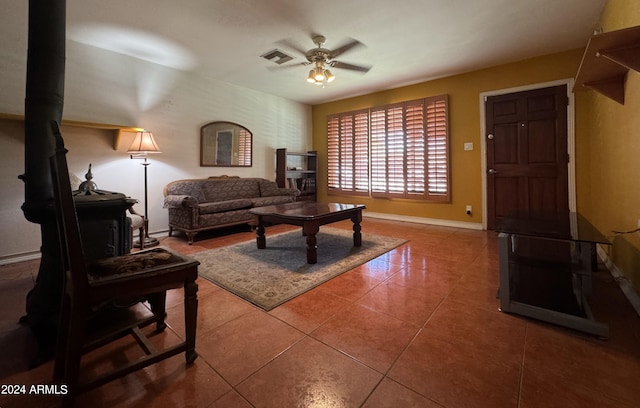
[[357, 236], [309, 230], [260, 239]]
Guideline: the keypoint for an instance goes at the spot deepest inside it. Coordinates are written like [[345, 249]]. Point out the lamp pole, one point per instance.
[[148, 241], [145, 163], [142, 145]]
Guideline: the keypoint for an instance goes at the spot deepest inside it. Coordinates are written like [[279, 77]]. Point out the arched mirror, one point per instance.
[[225, 144]]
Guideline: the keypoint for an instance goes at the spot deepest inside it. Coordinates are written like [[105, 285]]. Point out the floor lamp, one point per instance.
[[142, 145]]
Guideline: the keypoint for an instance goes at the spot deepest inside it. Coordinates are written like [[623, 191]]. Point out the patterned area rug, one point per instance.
[[271, 276]]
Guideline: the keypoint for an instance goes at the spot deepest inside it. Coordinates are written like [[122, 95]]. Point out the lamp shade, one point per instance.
[[143, 144]]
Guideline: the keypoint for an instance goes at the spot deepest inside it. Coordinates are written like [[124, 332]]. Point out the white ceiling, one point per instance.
[[406, 41]]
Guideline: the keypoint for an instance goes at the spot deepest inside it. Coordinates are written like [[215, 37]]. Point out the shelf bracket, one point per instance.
[[612, 88], [628, 57], [116, 138]]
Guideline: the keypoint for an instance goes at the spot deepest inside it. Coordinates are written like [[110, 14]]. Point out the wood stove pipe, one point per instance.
[[43, 103]]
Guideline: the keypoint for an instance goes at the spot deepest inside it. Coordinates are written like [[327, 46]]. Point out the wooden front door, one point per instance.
[[527, 159]]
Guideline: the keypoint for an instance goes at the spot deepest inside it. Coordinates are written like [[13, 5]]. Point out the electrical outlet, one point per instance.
[[469, 210]]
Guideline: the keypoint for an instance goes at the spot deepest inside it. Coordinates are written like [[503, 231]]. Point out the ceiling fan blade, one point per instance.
[[352, 67], [283, 67], [292, 46], [347, 47]]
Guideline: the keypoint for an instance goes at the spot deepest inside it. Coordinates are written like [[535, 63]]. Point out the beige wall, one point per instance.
[[174, 107]]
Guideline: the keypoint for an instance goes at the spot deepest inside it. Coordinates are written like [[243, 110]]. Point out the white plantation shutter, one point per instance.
[[378, 151], [361, 153], [388, 151], [395, 151], [415, 141], [348, 152], [399, 150], [437, 140], [244, 142], [333, 153]]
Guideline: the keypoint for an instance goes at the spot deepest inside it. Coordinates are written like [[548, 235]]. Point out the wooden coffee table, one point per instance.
[[310, 215]]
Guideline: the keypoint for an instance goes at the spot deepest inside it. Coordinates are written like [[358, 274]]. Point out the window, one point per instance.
[[399, 150]]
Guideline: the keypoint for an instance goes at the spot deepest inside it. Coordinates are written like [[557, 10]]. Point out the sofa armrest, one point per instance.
[[180, 201]]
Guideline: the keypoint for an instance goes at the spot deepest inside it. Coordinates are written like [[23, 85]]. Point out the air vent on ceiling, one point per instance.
[[277, 56]]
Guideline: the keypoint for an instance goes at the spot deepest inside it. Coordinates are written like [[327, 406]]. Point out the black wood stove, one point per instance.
[[102, 218]]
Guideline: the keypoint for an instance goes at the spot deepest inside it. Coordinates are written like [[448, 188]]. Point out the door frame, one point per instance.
[[571, 165]]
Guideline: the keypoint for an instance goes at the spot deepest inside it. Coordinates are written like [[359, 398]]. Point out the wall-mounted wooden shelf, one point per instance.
[[607, 60], [116, 130]]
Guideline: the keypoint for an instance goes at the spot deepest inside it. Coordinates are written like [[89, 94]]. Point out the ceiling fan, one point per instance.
[[323, 59]]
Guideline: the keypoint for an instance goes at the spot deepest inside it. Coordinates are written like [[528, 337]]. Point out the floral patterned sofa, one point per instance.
[[202, 204]]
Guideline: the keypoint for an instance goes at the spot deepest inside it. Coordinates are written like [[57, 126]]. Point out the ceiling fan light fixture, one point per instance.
[[330, 77], [318, 74], [322, 58], [311, 79]]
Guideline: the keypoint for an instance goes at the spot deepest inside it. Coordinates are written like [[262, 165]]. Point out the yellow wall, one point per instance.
[[614, 155], [607, 142], [464, 115]]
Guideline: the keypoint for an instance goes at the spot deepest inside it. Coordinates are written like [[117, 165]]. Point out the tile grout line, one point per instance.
[[524, 352]]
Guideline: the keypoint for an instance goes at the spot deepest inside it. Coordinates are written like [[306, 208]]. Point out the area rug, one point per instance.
[[271, 276]]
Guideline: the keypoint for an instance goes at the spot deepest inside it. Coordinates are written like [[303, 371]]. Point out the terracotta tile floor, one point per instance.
[[416, 327]]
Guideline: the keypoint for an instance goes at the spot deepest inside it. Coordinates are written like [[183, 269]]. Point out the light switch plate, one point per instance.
[[468, 146]]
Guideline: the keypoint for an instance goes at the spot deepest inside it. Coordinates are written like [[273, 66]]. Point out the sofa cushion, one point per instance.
[[272, 200], [230, 189], [227, 205], [226, 218], [269, 188]]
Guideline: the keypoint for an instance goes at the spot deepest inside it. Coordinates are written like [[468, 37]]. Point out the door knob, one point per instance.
[[490, 136], [492, 171]]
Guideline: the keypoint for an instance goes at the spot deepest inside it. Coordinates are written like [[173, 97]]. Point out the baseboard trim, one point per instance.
[[626, 286], [29, 256], [422, 220], [15, 258]]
